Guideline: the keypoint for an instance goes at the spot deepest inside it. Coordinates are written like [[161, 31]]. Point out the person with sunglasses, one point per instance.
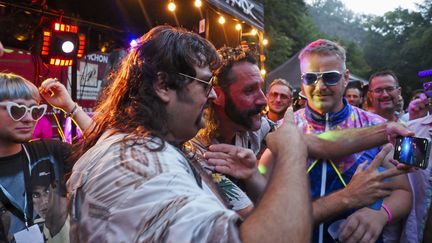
[[232, 124], [135, 181], [325, 77], [20, 108]]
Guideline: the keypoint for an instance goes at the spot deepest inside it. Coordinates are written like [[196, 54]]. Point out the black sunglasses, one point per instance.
[[329, 77]]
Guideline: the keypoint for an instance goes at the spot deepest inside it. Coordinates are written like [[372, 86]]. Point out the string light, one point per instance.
[[221, 20], [238, 27], [171, 6], [198, 3]]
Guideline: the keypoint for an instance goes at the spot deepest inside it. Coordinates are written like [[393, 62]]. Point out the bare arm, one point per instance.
[[334, 144], [57, 96], [286, 200]]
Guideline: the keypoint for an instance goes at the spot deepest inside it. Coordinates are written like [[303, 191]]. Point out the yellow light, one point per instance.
[[238, 27], [221, 20], [254, 32], [265, 42], [263, 72], [198, 3], [171, 6]]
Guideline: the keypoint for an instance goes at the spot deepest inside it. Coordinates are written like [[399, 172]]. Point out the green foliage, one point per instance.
[[288, 27], [399, 40]]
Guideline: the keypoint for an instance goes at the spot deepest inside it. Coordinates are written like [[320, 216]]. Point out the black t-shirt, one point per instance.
[[45, 170]]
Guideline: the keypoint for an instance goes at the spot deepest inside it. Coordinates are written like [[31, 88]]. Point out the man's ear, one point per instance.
[[220, 96], [346, 77], [161, 88]]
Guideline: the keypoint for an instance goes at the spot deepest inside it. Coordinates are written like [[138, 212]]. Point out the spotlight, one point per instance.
[[238, 27], [68, 47], [263, 72], [265, 42], [62, 44]]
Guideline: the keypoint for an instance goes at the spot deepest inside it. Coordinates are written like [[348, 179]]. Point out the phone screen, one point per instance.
[[412, 151]]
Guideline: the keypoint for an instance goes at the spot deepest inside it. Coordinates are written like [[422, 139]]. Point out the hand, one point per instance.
[[403, 167], [364, 225], [367, 185], [287, 137], [419, 107], [56, 95], [395, 129], [235, 161]]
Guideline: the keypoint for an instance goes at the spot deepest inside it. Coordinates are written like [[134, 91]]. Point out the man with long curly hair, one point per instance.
[[134, 181]]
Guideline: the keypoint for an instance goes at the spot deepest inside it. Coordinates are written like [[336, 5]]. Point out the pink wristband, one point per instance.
[[389, 214]]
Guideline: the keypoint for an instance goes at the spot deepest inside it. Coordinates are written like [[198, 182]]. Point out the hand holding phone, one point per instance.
[[413, 151]]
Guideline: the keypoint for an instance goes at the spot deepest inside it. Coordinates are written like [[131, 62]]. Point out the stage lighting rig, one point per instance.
[[62, 44]]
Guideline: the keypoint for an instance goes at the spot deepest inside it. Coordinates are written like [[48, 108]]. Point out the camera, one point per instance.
[[413, 151]]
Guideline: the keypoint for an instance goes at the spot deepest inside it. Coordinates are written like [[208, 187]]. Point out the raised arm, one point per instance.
[[335, 144], [57, 96], [286, 200]]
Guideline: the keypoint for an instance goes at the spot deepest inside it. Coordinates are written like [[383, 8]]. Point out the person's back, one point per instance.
[[121, 186]]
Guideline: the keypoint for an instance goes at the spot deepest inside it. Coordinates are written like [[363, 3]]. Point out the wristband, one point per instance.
[[73, 111], [388, 211]]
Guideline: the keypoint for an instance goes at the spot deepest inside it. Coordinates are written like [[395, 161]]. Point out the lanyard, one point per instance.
[[28, 206]]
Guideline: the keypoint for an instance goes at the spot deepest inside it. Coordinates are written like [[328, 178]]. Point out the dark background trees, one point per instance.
[[399, 40]]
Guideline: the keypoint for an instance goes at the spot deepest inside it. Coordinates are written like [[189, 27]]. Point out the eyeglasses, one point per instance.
[[379, 91], [208, 83], [330, 77], [17, 112]]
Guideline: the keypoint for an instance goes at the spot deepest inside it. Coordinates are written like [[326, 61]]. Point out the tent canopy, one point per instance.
[[290, 71]]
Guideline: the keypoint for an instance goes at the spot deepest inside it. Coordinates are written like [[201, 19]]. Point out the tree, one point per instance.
[[288, 27]]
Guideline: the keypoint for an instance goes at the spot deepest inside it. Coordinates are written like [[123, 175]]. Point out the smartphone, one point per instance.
[[413, 151]]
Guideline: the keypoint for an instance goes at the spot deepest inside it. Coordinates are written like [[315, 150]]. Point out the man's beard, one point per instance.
[[242, 118]]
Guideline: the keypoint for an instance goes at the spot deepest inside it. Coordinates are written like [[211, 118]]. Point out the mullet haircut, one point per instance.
[[130, 104]]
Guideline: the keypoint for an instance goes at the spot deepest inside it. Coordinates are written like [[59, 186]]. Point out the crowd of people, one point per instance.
[[184, 146]]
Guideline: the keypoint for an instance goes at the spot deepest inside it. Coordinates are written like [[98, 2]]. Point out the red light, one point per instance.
[[59, 35]]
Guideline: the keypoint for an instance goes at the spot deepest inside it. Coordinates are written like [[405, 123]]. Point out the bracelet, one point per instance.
[[388, 211], [73, 111]]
